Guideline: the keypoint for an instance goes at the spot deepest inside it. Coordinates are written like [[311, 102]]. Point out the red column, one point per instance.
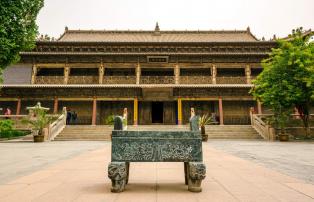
[[94, 111], [55, 106], [259, 107], [18, 106], [221, 113]]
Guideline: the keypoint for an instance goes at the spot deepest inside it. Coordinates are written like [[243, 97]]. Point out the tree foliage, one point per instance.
[[287, 80], [18, 29]]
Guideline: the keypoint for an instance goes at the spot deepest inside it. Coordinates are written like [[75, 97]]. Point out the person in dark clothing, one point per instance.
[[74, 117], [69, 117]]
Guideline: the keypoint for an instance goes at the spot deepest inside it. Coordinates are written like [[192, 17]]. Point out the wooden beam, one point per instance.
[[55, 105], [221, 113], [18, 106], [94, 114]]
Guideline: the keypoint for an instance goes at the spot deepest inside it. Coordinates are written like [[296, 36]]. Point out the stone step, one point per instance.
[[103, 132]]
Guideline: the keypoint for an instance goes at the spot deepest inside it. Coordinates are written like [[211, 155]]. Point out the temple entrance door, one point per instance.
[[157, 112]]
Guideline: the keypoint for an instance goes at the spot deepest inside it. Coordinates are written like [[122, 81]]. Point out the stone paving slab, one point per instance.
[[292, 158], [84, 178]]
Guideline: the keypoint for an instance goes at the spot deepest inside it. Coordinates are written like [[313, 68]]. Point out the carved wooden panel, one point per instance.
[[83, 80], [49, 80], [231, 80], [119, 80], [157, 80], [195, 80]]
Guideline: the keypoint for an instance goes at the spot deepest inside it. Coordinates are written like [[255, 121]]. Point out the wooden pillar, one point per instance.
[[66, 74], [179, 111], [259, 107], [18, 106], [101, 72], [94, 114], [221, 113], [248, 74], [55, 105], [34, 73], [135, 113], [177, 74], [214, 74], [138, 73]]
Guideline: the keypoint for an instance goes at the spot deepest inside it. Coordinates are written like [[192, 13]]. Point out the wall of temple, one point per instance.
[[237, 112]]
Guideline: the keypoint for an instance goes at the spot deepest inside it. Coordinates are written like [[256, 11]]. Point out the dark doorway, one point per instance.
[[157, 112]]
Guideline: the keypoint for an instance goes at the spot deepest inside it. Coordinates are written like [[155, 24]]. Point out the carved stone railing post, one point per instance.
[[101, 72], [248, 74], [214, 73], [34, 73]]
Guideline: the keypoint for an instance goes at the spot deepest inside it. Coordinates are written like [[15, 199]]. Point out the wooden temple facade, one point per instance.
[[157, 75]]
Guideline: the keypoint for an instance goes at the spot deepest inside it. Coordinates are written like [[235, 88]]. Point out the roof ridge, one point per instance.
[[152, 31]]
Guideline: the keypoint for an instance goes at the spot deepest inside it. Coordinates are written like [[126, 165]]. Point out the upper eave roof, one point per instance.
[[198, 36]]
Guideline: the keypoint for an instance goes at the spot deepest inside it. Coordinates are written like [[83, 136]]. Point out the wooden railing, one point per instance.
[[231, 80], [196, 80], [119, 80], [49, 80], [83, 80], [157, 80]]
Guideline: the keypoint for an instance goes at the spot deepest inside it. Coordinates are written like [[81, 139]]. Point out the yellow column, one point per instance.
[[135, 108], [179, 111]]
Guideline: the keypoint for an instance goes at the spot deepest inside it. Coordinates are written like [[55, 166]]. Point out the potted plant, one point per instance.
[[38, 120], [203, 121], [280, 120]]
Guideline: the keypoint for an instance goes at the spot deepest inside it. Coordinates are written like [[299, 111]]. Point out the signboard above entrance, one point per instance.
[[157, 59]]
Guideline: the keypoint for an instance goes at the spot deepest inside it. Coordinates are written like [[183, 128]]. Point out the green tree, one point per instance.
[[287, 80], [18, 29]]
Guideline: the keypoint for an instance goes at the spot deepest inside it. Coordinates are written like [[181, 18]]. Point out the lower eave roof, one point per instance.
[[146, 53], [128, 86]]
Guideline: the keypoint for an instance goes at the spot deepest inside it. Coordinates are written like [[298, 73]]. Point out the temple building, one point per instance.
[[157, 75]]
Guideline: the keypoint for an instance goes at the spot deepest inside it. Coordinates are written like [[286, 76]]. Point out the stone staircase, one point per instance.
[[232, 132], [102, 132], [85, 132]]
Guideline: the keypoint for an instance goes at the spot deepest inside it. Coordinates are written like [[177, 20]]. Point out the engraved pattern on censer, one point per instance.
[[153, 152]]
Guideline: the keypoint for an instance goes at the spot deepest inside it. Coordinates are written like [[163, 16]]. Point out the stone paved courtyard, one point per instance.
[[236, 171]]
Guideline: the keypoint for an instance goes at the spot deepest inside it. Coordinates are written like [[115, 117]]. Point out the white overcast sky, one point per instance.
[[265, 17]]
